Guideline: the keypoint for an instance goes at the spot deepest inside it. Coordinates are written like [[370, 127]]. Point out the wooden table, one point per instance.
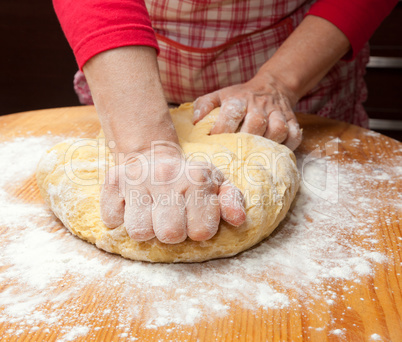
[[372, 311]]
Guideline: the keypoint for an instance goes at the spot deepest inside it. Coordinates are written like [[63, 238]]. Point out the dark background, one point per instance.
[[37, 65]]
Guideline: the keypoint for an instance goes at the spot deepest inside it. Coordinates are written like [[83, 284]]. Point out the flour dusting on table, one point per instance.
[[321, 242]]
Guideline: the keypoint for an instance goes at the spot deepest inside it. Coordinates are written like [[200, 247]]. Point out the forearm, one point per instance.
[[306, 56], [128, 97]]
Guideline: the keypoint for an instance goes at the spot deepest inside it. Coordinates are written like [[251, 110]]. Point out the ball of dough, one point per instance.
[[70, 176]]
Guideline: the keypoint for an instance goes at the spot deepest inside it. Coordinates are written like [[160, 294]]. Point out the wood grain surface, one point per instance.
[[371, 311]]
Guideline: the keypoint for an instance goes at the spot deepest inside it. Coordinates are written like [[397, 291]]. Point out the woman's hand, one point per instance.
[[261, 106], [160, 194], [265, 102]]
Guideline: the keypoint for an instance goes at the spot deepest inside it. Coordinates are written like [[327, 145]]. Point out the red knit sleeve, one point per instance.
[[357, 19], [93, 26]]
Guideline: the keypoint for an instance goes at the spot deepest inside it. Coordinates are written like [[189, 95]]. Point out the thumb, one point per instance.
[[204, 105], [231, 203], [111, 203]]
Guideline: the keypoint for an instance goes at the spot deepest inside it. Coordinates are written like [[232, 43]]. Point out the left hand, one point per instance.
[[262, 104]]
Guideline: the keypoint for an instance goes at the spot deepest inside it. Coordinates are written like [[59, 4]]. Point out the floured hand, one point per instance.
[[260, 106], [160, 194]]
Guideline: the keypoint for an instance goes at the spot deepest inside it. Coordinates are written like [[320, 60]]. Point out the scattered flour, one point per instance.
[[75, 332], [375, 337], [321, 242], [338, 332]]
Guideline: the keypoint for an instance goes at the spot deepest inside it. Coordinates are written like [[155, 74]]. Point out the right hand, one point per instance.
[[185, 199]]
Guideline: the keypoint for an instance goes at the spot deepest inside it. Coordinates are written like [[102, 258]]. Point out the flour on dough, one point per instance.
[[70, 176]]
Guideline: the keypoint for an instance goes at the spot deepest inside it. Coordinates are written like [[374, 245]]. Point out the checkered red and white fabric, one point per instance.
[[208, 45]]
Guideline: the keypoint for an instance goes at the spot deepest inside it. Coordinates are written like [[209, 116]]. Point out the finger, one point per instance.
[[203, 215], [277, 129], [111, 201], [255, 122], [204, 105], [217, 176], [138, 215], [294, 135], [231, 202], [205, 175], [169, 219], [232, 112]]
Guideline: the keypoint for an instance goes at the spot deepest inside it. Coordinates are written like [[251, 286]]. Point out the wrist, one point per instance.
[[141, 139], [129, 99], [272, 78], [157, 149], [306, 56]]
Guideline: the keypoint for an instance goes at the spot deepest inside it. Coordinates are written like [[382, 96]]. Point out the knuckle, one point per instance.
[[278, 129], [261, 101], [280, 125], [207, 99], [234, 108], [217, 176], [197, 101], [202, 100], [233, 113], [257, 119], [130, 171], [164, 172], [201, 176]]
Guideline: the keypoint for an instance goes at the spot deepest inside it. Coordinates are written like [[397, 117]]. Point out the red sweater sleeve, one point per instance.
[[357, 19], [93, 26]]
